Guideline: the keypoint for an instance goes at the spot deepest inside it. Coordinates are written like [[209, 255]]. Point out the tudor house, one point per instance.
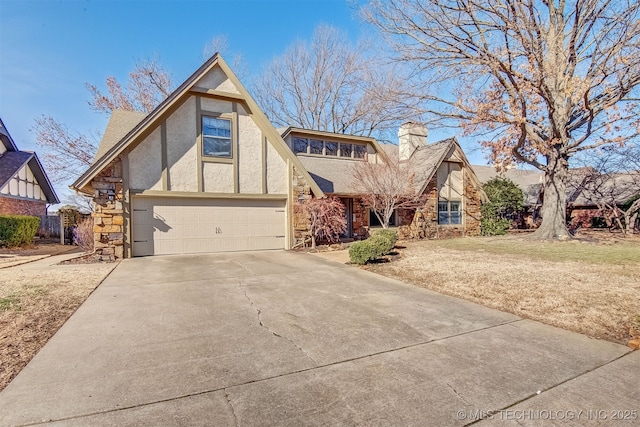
[[207, 172], [25, 188]]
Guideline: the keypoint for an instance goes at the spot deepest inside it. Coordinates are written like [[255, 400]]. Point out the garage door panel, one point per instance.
[[164, 226]]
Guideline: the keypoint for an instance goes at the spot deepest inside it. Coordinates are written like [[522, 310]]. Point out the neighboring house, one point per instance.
[[586, 192], [592, 193], [25, 188], [207, 172]]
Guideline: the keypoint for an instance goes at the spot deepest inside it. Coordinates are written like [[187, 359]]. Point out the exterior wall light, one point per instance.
[[111, 195]]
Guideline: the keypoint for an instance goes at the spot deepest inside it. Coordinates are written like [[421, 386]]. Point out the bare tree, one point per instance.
[[334, 86], [220, 44], [148, 85], [387, 186], [539, 80], [326, 218], [67, 152]]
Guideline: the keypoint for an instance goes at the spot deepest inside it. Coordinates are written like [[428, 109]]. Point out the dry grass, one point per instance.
[[588, 287], [34, 304]]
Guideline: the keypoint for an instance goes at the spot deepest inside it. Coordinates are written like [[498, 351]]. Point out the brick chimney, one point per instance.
[[411, 135]]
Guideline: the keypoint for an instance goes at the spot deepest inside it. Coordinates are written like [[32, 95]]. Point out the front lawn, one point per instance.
[[587, 286]]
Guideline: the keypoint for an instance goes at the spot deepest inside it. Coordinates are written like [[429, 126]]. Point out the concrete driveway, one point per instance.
[[281, 338]]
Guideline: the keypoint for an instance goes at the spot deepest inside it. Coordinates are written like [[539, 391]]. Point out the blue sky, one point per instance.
[[49, 49]]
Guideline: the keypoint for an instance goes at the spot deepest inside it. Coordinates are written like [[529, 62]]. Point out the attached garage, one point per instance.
[[177, 225]]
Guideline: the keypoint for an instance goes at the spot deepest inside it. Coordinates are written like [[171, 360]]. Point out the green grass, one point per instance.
[[10, 302], [614, 252]]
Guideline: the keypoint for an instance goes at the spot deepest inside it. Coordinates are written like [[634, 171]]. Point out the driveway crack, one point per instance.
[[466, 402], [259, 312], [233, 411]]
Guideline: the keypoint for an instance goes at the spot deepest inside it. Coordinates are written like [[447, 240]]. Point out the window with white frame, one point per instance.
[[450, 191], [216, 137]]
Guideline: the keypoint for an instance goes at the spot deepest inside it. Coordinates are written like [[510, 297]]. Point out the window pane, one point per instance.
[[315, 145], [359, 151], [455, 217], [216, 137], [345, 150], [300, 145], [331, 148], [219, 147]]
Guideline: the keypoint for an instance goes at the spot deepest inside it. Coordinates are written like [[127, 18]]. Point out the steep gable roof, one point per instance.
[[5, 138], [13, 160], [427, 159], [189, 87], [120, 124]]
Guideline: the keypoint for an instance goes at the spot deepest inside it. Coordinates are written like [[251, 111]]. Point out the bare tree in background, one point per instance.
[[387, 186], [148, 85], [220, 44], [68, 153], [326, 218], [334, 86], [540, 81]]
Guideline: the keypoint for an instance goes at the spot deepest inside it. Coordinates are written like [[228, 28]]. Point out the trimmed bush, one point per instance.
[[362, 252], [18, 230], [381, 243], [389, 234], [374, 247]]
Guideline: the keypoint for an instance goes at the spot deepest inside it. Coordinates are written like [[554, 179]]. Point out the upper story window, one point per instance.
[[330, 148], [300, 145], [450, 192], [316, 146], [216, 137], [320, 147], [359, 151]]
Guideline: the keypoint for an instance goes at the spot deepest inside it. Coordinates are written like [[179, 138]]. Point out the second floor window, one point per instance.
[[216, 137]]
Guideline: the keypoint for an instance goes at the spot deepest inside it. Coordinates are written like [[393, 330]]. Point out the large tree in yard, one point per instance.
[[539, 81]]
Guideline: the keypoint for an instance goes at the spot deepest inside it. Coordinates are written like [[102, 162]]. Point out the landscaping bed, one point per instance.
[[590, 286]]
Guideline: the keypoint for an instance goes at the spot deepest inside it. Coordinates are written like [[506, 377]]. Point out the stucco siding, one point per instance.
[[215, 106], [250, 155], [145, 163], [217, 177], [276, 172], [182, 148], [217, 79]]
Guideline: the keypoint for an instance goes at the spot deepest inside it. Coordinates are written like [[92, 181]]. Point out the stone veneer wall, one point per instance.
[[11, 206], [301, 191], [424, 224], [360, 219], [108, 216], [472, 208]]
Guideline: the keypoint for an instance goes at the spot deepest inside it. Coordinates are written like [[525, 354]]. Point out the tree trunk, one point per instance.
[[554, 204]]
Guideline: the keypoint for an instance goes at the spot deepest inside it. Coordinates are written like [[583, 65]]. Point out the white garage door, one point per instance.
[[164, 226]]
